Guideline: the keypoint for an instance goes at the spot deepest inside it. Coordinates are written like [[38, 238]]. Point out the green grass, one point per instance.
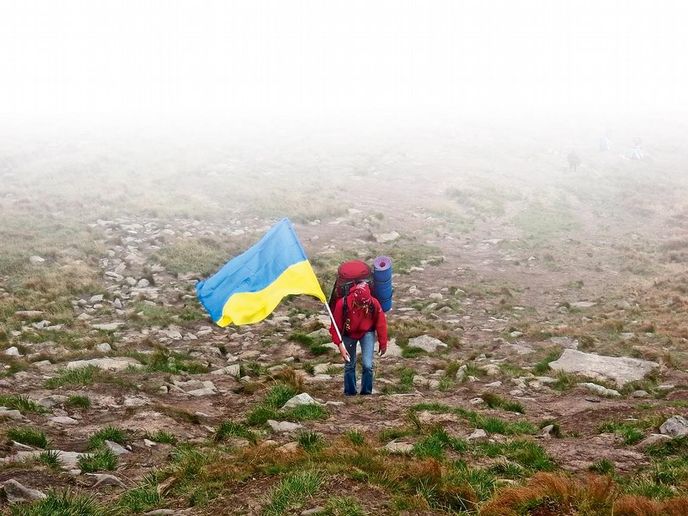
[[434, 444], [304, 413], [63, 503], [526, 453], [629, 431], [292, 492], [233, 429], [162, 361], [542, 367], [50, 458], [108, 433], [276, 397], [21, 403], [142, 498], [603, 467], [81, 376], [355, 437], [495, 401], [161, 436], [78, 401], [315, 346], [342, 506], [101, 460], [310, 441], [493, 425], [28, 436], [405, 384]]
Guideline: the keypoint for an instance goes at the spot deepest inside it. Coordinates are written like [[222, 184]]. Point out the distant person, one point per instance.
[[359, 321], [574, 161], [637, 151]]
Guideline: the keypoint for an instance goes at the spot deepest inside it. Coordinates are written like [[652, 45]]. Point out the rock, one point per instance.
[[69, 460], [651, 440], [28, 314], [547, 431], [600, 390], [113, 326], [96, 299], [427, 343], [135, 401], [36, 260], [109, 364], [312, 512], [640, 394], [62, 420], [17, 493], [384, 238], [300, 399], [103, 479], [12, 352], [393, 350], [583, 304], [103, 347], [398, 448], [143, 283], [620, 369], [116, 448], [493, 385], [675, 426], [419, 381], [161, 512], [231, 370], [6, 413], [321, 368], [477, 434], [565, 342], [283, 426], [291, 447], [492, 370]]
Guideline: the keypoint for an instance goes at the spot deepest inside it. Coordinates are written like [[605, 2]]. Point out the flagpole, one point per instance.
[[334, 323]]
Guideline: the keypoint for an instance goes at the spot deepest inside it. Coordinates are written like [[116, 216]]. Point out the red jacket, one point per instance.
[[360, 325]]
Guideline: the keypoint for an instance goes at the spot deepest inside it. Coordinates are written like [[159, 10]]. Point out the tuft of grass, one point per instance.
[[310, 441], [315, 346], [108, 433], [28, 436], [78, 401], [269, 407], [161, 437], [495, 401], [342, 506], [527, 454], [101, 460], [542, 367], [603, 467], [21, 403], [63, 503], [355, 437], [292, 491], [435, 444], [174, 363], [140, 499], [50, 458], [81, 376], [233, 429], [629, 431], [493, 425], [305, 413]]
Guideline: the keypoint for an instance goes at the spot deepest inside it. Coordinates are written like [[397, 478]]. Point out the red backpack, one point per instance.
[[348, 274]]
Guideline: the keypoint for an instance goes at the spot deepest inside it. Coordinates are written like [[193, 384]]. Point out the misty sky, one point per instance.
[[142, 58]]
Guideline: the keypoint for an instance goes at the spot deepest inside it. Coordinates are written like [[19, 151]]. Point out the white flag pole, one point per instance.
[[334, 323]]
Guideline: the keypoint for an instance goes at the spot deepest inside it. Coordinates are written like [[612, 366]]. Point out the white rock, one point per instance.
[[620, 369], [116, 448], [477, 434], [96, 299], [13, 414], [103, 347], [109, 364], [62, 420], [17, 493], [427, 343], [384, 238], [675, 426], [231, 370], [398, 448], [103, 479], [283, 426], [12, 352], [113, 326], [600, 390], [300, 399], [36, 260]]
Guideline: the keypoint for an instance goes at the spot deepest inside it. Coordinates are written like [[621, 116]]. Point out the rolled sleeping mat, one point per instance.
[[382, 274]]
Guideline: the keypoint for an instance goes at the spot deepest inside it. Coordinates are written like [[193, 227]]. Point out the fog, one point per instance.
[[385, 62]]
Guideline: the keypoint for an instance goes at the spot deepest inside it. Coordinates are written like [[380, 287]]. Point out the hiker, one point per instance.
[[359, 321], [574, 161]]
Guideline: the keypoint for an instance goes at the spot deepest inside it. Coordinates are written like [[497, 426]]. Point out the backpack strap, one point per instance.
[[345, 316]]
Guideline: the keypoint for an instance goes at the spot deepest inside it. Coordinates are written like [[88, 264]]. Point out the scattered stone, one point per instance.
[[675, 426], [427, 343], [393, 350], [96, 299], [103, 479], [103, 347], [547, 431], [565, 342], [116, 448], [36, 260], [583, 304], [300, 399], [283, 426], [384, 238], [6, 413], [620, 369], [12, 352], [113, 326], [231, 370], [600, 390], [652, 439], [493, 384], [640, 394], [291, 447], [313, 511], [477, 434], [109, 364], [17, 493], [398, 448], [492, 370], [62, 420]]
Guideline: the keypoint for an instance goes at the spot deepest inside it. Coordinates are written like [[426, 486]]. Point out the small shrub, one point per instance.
[[603, 467], [80, 376], [355, 437], [77, 401], [108, 433], [63, 503], [310, 441], [305, 413], [50, 458], [495, 401], [101, 460], [161, 437], [627, 430], [28, 436], [142, 498], [292, 491], [21, 403], [233, 429]]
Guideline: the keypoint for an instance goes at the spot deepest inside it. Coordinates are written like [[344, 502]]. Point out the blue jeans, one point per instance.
[[367, 350]]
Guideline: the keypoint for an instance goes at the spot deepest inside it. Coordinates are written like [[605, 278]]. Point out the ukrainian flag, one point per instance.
[[249, 287]]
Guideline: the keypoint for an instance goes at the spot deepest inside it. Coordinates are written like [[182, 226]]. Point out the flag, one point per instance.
[[249, 287]]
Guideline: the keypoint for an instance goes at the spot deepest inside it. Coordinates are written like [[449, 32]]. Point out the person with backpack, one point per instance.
[[360, 318]]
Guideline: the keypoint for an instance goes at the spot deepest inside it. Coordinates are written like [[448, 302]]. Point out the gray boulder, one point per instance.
[[17, 493], [620, 369], [427, 343], [675, 426], [300, 399]]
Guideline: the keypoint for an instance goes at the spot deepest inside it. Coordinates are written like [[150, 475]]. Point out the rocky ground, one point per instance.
[[538, 362]]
